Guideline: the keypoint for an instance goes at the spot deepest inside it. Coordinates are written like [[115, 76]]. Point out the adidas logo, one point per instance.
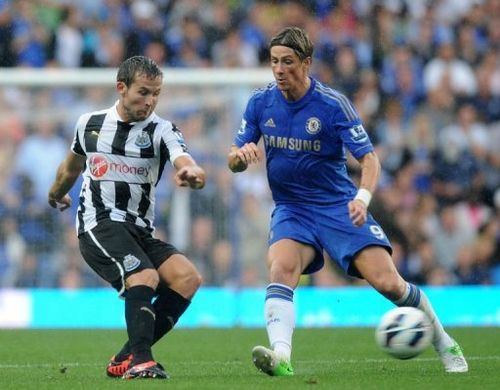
[[270, 123]]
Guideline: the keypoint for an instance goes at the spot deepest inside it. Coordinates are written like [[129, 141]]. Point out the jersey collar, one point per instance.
[[303, 100]]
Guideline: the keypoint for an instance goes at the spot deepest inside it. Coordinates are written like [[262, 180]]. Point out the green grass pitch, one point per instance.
[[330, 358]]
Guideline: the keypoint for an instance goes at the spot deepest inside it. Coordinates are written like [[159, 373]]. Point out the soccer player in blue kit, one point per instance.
[[306, 127]]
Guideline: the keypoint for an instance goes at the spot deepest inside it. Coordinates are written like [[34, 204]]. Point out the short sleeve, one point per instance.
[[249, 129], [174, 141], [77, 146], [353, 134]]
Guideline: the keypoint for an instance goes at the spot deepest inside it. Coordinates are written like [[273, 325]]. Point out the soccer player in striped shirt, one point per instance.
[[122, 151], [305, 127]]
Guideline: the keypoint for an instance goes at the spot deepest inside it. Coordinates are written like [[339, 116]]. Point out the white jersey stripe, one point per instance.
[[118, 265]]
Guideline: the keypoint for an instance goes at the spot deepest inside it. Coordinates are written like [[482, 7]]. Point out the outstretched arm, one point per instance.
[[239, 158], [189, 173], [67, 173], [370, 172]]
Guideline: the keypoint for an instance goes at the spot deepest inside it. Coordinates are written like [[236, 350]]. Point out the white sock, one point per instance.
[[279, 312], [416, 298]]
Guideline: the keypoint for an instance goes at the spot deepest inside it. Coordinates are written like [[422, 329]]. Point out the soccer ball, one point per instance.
[[404, 332]]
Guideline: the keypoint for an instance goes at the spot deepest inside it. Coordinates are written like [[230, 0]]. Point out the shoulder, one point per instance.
[[90, 117], [263, 94], [165, 128], [336, 100], [155, 124]]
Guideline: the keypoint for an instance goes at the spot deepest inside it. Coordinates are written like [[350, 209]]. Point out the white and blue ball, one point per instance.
[[404, 332]]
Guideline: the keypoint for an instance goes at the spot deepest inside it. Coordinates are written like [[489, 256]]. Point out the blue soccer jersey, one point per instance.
[[304, 142], [305, 145]]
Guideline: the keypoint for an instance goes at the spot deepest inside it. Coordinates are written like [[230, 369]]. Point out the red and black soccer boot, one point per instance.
[[116, 368], [150, 369]]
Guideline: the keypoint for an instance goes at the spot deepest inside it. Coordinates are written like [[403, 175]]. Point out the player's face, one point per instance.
[[138, 100], [290, 72]]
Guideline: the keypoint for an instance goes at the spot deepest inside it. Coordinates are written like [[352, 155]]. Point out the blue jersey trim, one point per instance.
[[342, 101]]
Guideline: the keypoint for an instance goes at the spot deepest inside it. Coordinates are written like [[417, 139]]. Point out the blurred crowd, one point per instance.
[[423, 75]]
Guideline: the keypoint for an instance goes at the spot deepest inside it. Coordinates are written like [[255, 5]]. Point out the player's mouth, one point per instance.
[[143, 113]]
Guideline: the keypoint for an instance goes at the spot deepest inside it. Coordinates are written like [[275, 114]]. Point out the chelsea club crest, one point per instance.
[[313, 125], [143, 140]]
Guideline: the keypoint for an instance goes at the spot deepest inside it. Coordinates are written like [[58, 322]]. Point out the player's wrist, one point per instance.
[[364, 196]]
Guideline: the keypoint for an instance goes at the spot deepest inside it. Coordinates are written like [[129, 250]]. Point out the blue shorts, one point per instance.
[[329, 229]]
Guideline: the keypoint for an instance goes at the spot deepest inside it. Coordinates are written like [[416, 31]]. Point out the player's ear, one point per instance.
[[121, 87]]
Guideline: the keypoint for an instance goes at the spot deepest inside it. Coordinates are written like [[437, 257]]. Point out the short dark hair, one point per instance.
[[137, 65], [295, 38]]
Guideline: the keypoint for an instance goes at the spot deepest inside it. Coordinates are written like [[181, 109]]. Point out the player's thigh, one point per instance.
[[293, 244], [176, 271], [113, 253], [375, 265], [158, 251], [180, 274], [287, 259]]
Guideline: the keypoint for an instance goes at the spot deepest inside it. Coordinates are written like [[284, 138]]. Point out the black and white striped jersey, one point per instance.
[[124, 164]]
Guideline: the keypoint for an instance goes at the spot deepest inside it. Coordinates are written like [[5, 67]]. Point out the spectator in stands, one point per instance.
[[449, 238], [28, 47], [69, 39], [471, 267], [147, 27], [487, 100], [391, 135], [157, 51], [7, 57], [466, 132], [455, 172], [448, 71], [110, 47], [421, 146], [188, 44], [232, 52], [346, 72], [38, 156]]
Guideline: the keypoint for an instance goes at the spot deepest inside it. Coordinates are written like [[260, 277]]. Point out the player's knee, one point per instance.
[[187, 281], [146, 277], [284, 270], [391, 288], [191, 279]]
